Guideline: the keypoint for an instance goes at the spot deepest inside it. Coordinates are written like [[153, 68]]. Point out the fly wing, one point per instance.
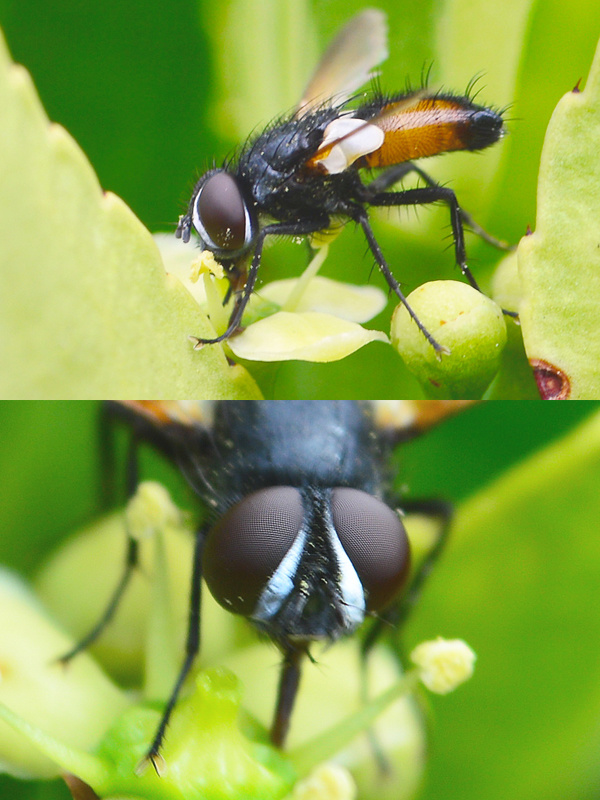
[[348, 62], [401, 420], [160, 413]]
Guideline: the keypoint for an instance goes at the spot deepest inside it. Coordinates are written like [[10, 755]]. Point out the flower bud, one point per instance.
[[467, 324], [443, 663]]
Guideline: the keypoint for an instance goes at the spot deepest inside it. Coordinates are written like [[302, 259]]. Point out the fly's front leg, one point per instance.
[[192, 647], [289, 680], [241, 299], [302, 228]]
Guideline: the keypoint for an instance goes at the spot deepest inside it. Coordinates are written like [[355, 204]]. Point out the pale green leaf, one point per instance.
[[559, 264], [86, 309], [35, 686]]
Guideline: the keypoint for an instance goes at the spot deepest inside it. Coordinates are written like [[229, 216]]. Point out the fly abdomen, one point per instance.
[[432, 125]]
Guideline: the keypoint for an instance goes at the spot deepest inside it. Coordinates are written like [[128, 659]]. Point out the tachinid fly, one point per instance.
[[302, 531], [304, 173]]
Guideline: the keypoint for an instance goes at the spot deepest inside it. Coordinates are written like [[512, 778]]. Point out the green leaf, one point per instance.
[[86, 309], [559, 263], [519, 582]]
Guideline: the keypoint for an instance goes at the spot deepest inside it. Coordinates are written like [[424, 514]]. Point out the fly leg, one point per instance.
[[433, 194], [192, 648], [302, 228], [131, 550], [361, 216], [289, 680], [398, 172]]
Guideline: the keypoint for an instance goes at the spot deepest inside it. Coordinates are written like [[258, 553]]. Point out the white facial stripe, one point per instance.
[[281, 582], [351, 588], [247, 224]]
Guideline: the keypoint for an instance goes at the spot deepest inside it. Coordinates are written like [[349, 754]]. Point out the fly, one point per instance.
[[306, 171], [301, 533]]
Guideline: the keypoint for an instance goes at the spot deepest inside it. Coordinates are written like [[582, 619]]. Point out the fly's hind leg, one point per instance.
[[397, 173], [375, 195]]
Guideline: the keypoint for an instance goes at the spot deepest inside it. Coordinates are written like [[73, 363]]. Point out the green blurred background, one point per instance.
[[153, 92], [516, 585]]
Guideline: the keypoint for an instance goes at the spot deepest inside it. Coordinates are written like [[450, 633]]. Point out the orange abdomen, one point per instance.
[[431, 126]]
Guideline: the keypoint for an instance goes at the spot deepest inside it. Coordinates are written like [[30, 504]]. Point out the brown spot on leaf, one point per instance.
[[552, 382]]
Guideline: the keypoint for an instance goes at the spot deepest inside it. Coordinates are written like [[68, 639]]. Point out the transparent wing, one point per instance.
[[405, 419], [349, 61], [160, 413]]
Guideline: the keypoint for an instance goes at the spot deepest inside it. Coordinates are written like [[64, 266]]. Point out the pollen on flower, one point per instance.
[[443, 663], [205, 263], [327, 782], [150, 509], [325, 237]]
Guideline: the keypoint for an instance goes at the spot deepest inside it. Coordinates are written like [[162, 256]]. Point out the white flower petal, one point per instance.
[[309, 336]]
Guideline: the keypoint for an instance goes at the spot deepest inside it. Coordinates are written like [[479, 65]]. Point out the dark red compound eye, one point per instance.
[[246, 546], [374, 538], [220, 214]]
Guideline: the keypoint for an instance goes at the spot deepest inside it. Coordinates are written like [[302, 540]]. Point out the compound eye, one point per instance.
[[246, 546], [220, 215], [374, 538]]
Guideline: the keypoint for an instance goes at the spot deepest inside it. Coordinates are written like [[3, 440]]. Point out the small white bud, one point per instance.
[[150, 509], [327, 782], [443, 663]]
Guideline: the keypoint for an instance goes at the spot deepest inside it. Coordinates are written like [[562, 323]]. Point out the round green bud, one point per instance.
[[466, 324]]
